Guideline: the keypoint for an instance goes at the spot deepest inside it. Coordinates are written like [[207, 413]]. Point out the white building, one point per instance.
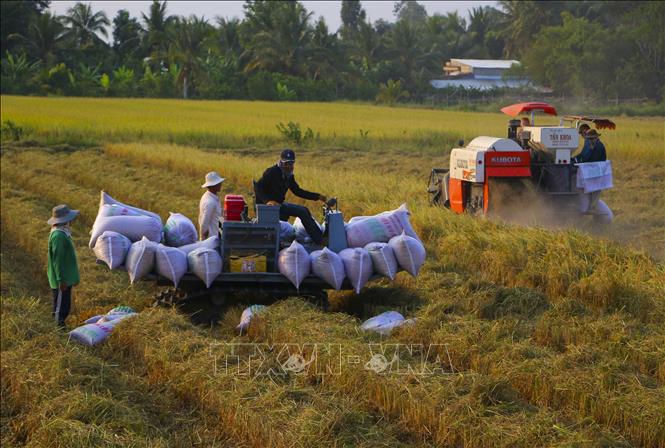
[[479, 74]]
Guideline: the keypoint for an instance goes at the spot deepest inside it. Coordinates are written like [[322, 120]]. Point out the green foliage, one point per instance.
[[279, 52], [58, 79], [18, 73], [391, 92], [292, 133], [284, 93], [10, 131]]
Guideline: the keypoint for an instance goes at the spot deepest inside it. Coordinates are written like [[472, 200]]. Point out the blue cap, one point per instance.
[[288, 156]]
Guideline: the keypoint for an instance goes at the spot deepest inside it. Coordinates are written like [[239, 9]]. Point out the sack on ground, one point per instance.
[[409, 252], [363, 230], [384, 323], [170, 263], [205, 263], [179, 230], [208, 243], [106, 199], [301, 234], [286, 232], [328, 266], [140, 259], [247, 316], [383, 259], [116, 210], [293, 263], [111, 248], [93, 334], [357, 266]]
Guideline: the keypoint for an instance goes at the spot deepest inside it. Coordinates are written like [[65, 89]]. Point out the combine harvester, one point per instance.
[[491, 174]]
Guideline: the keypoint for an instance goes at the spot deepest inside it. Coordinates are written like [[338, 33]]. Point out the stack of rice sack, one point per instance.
[[381, 244], [135, 239]]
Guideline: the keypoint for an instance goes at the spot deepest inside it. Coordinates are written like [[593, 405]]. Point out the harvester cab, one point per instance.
[[533, 159]]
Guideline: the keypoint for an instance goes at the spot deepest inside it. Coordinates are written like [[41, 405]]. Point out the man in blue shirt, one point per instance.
[[593, 150]]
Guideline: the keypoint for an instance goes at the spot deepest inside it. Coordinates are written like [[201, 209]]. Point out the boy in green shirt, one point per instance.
[[62, 268]]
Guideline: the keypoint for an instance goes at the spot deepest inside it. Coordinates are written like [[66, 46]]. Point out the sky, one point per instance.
[[228, 9]]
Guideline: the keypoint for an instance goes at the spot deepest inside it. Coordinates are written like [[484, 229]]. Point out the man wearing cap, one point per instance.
[[593, 149], [272, 187], [62, 268], [210, 209]]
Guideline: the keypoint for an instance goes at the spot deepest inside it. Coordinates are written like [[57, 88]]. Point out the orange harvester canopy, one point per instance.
[[600, 123], [533, 106]]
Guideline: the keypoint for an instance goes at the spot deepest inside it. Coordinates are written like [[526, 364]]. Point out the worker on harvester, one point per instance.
[[593, 151], [272, 187]]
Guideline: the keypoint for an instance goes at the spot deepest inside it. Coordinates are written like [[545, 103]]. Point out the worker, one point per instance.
[[62, 267], [272, 187], [593, 150], [583, 129], [524, 122], [210, 208]]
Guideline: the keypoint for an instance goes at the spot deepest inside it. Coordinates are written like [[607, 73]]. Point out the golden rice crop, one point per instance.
[[538, 337], [253, 123]]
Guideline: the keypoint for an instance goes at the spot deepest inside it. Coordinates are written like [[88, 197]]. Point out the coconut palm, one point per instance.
[[84, 26], [44, 37], [188, 37], [157, 23]]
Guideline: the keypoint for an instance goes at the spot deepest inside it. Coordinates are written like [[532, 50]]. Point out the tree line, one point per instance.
[[280, 51]]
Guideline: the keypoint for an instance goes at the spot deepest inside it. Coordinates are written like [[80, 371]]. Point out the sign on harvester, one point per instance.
[[555, 137]]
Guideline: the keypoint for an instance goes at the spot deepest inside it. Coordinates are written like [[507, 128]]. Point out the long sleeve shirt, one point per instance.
[[210, 211], [589, 153], [274, 184], [62, 265]]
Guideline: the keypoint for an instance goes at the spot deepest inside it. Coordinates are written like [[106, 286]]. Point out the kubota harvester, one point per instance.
[[532, 160]]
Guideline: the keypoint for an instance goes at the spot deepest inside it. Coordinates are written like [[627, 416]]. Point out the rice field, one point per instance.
[[525, 336]]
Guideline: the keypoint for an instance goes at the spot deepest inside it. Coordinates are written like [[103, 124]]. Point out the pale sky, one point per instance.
[[211, 9]]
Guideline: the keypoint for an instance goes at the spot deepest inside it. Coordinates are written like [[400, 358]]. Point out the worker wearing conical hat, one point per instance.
[[62, 267], [210, 208]]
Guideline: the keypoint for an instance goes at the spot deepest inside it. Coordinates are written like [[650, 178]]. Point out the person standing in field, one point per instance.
[[593, 150], [62, 268], [210, 208], [272, 187]]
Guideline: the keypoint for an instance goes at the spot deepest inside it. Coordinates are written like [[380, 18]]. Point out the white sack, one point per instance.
[[93, 334], [111, 248], [208, 243], [133, 227], [286, 231], [328, 266], [409, 252], [384, 323], [358, 266], [116, 210], [294, 264], [363, 230], [170, 263], [179, 230], [383, 259], [205, 263], [140, 259], [132, 222], [301, 234], [247, 315], [106, 199], [594, 176]]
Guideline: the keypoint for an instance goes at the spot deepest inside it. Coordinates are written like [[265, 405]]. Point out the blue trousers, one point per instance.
[[62, 303], [287, 209]]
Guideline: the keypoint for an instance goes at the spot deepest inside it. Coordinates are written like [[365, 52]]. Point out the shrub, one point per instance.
[[294, 134], [261, 86], [10, 131]]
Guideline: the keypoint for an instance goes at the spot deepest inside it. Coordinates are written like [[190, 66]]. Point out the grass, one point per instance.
[[528, 336]]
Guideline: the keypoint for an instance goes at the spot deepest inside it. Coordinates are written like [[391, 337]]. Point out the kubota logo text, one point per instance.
[[506, 159]]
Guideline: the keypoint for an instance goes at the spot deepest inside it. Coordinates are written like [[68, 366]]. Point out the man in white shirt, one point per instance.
[[210, 208]]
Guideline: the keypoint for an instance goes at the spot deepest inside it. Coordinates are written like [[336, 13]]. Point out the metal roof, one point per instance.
[[486, 63]]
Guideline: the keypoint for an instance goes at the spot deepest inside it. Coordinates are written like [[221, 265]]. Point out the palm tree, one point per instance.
[[324, 53], [280, 37], [44, 37], [156, 24], [84, 26], [188, 38], [367, 45]]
